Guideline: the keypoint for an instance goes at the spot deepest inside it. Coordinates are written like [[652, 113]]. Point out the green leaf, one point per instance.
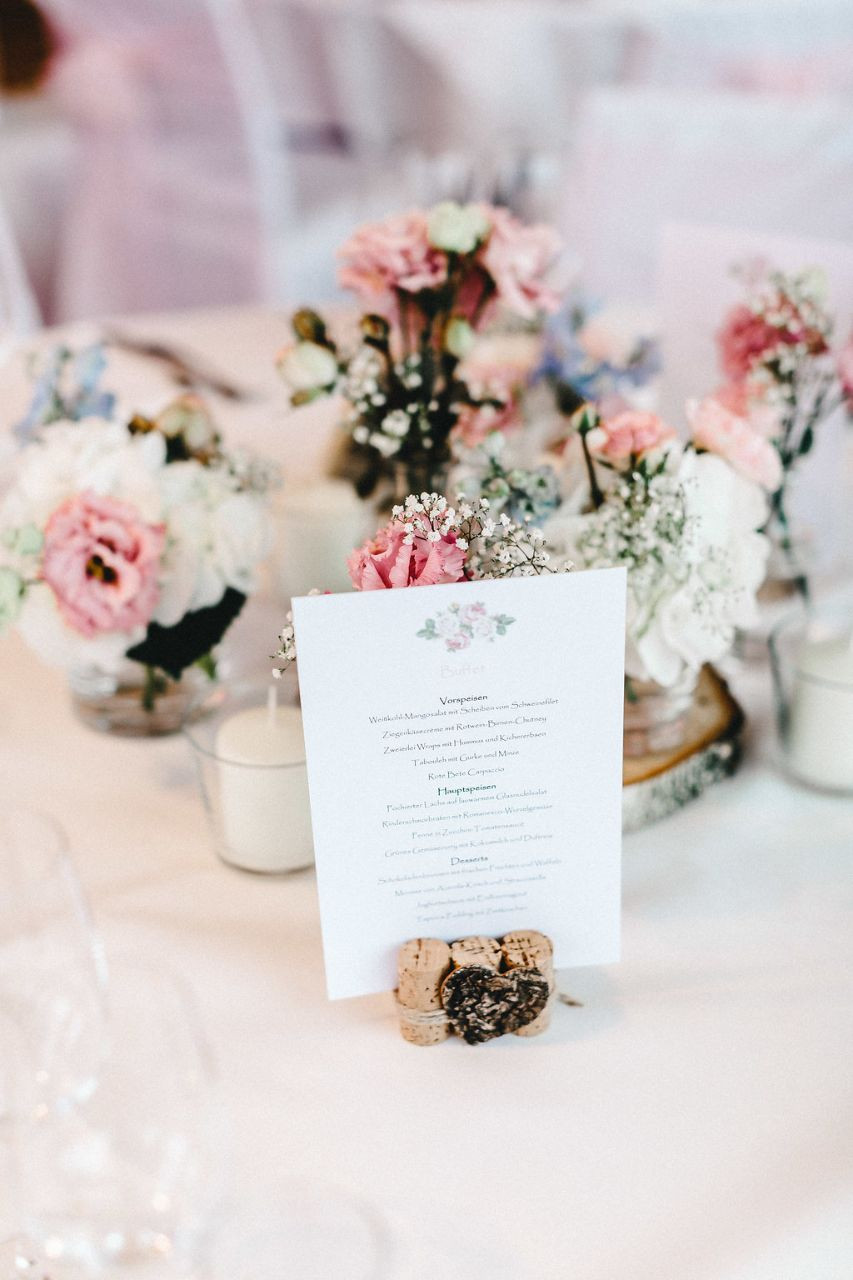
[[807, 441], [173, 649]]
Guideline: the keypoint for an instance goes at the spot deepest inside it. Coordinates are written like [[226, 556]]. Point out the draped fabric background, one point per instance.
[[209, 151]]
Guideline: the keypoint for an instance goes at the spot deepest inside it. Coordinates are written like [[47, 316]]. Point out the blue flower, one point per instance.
[[66, 388]]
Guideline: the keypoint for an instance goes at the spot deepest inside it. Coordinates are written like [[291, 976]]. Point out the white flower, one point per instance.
[[92, 454], [216, 537], [459, 338], [457, 228], [447, 623], [386, 445], [307, 366], [396, 423], [484, 627], [42, 627], [689, 539]]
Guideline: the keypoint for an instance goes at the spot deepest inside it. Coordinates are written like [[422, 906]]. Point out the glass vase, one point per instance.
[[136, 701], [249, 751], [656, 715]]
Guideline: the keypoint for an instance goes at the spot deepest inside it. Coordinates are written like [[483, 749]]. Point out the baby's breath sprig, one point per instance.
[[286, 651], [499, 548], [494, 548]]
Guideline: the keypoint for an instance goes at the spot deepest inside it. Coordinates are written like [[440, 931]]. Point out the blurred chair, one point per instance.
[[34, 161], [329, 98], [647, 156], [19, 313], [507, 84], [164, 210]]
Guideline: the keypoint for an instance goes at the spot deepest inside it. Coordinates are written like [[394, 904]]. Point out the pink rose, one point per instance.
[[387, 560], [720, 431], [382, 257], [628, 434], [101, 562], [460, 641], [749, 400], [516, 257]]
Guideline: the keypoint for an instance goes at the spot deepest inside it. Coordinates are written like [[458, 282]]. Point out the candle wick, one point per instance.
[[272, 705]]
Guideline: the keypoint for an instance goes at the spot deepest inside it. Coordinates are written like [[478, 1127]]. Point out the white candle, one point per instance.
[[820, 732], [319, 525], [266, 818]]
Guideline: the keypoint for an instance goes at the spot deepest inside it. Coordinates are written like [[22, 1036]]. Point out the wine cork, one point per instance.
[[476, 950], [527, 949], [422, 966]]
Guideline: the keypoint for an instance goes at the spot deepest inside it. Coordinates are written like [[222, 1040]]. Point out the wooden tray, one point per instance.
[[656, 785]]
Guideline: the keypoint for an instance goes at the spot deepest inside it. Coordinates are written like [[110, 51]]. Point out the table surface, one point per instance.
[[692, 1121]]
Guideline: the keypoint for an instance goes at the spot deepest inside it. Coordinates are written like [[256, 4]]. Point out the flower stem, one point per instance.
[[786, 542], [595, 492], [154, 685]]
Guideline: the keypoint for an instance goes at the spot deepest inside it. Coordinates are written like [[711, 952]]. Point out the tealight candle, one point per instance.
[[263, 788], [319, 526], [820, 729]]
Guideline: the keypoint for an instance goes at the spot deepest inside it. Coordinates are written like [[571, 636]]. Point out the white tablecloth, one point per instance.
[[691, 1122]]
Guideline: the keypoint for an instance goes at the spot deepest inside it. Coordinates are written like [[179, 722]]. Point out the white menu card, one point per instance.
[[464, 749]]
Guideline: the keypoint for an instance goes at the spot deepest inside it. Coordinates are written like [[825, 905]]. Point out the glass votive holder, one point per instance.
[[250, 756], [812, 663]]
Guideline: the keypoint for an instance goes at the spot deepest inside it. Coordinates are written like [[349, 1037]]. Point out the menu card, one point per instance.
[[464, 749]]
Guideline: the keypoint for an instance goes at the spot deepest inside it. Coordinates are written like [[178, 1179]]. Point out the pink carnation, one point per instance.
[[101, 562], [382, 257], [628, 434], [743, 340], [720, 431], [845, 369], [387, 561], [747, 338], [516, 257]]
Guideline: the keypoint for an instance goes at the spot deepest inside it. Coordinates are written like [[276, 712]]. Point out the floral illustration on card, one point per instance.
[[460, 626]]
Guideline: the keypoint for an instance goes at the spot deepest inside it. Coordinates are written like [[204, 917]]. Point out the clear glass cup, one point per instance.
[[122, 1180], [656, 716], [52, 969], [250, 758], [812, 662]]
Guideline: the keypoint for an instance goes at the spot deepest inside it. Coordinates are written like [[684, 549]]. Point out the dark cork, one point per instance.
[[482, 1004]]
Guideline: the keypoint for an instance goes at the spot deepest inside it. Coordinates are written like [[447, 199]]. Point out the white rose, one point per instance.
[[447, 624], [457, 228], [307, 366]]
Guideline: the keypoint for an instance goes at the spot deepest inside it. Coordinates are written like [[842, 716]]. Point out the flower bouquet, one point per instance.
[[774, 350], [685, 521], [433, 280], [126, 551], [427, 542]]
